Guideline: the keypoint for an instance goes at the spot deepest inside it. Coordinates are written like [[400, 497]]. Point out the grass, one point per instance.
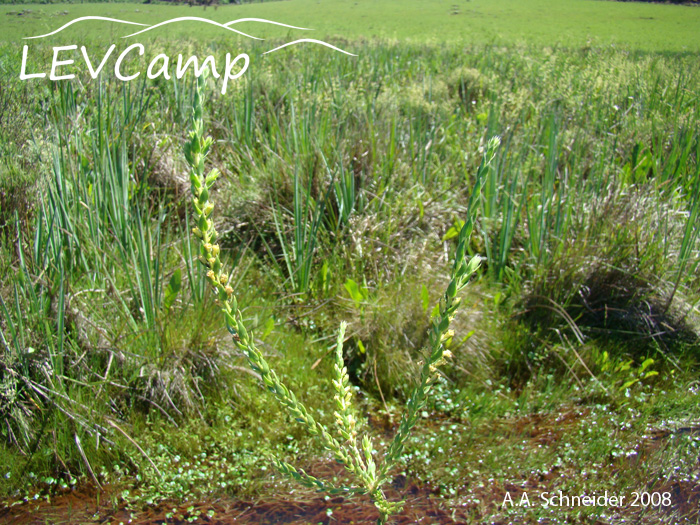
[[344, 181], [644, 27]]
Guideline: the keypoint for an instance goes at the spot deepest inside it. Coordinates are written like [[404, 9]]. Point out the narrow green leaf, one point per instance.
[[425, 298]]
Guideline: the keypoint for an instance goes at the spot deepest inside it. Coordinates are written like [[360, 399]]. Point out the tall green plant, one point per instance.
[[549, 212], [298, 254], [355, 453], [502, 205], [690, 235]]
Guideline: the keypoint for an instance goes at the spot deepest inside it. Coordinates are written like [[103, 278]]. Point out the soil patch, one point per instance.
[[87, 506]]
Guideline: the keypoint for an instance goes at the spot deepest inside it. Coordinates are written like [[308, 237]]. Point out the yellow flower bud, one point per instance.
[[447, 335], [223, 279]]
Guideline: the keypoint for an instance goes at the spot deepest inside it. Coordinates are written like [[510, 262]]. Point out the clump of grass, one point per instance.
[[621, 286], [469, 85], [358, 456]]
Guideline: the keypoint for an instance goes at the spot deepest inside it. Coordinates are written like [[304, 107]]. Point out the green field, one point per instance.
[[557, 23], [345, 183]]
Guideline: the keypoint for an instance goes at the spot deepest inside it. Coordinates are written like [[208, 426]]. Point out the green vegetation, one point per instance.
[[568, 23], [344, 183]]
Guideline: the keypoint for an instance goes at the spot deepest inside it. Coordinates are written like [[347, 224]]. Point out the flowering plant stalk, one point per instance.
[[355, 453]]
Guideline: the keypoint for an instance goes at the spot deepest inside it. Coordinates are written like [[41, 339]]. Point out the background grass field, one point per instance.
[[344, 183], [568, 23]]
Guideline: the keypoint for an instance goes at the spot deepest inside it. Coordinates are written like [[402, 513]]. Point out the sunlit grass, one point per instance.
[[569, 23]]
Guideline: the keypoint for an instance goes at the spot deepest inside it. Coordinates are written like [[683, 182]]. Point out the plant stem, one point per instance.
[[358, 462]]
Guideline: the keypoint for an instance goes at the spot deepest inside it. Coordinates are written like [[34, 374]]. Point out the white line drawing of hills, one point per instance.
[[226, 26]]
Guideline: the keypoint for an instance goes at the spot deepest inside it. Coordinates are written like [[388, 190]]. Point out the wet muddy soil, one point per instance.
[[87, 506]]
